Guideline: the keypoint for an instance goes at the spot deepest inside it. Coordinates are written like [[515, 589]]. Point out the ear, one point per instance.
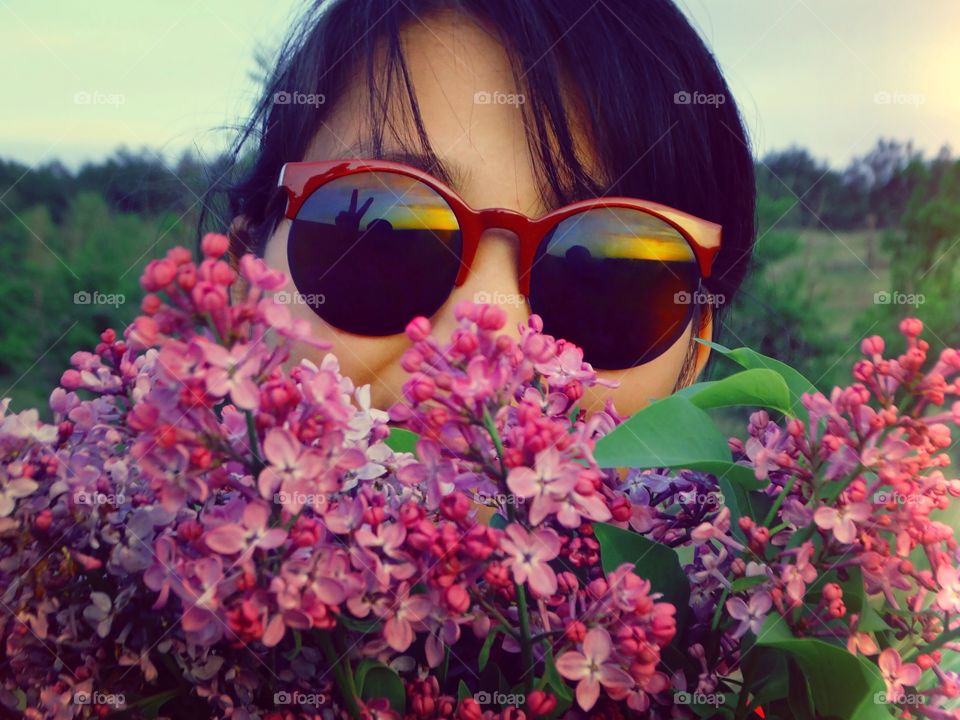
[[239, 288], [240, 241], [705, 333]]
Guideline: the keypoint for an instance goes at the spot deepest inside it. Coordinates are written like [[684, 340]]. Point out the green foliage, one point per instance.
[[376, 680], [755, 387], [400, 440], [788, 676], [651, 560], [65, 282], [830, 683], [670, 432], [772, 384], [925, 254], [775, 309]]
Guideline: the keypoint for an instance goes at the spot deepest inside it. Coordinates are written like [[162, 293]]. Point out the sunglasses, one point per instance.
[[374, 244]]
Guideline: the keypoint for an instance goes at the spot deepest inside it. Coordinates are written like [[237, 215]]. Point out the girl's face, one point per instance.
[[484, 146]]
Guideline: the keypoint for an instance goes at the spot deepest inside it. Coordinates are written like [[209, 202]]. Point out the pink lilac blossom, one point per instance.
[[221, 520]]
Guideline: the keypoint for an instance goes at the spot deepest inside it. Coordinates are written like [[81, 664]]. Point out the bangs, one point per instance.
[[617, 74]]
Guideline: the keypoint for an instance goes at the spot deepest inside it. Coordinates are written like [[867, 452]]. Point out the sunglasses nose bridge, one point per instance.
[[504, 219], [518, 224]]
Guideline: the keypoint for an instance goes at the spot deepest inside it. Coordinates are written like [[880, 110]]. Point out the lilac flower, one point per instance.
[[550, 480], [751, 614], [528, 555], [407, 610], [232, 372], [593, 668], [842, 521], [897, 673], [246, 536]]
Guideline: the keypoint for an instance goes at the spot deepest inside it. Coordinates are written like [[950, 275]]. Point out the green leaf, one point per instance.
[[376, 680], [498, 521], [742, 502], [750, 359], [561, 690], [799, 694], [148, 707], [841, 685], [870, 619], [400, 440], [745, 583], [367, 625], [755, 387], [671, 432], [361, 672], [766, 677], [484, 655], [651, 560], [558, 686], [463, 692], [297, 645], [742, 475]]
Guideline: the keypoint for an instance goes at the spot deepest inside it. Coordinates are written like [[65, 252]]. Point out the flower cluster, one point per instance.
[[848, 542], [229, 529], [210, 528], [499, 420]]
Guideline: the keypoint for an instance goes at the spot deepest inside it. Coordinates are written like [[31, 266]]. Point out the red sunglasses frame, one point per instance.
[[300, 179]]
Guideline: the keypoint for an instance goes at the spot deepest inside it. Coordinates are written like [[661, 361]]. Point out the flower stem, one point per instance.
[[491, 428], [507, 627], [939, 642], [717, 613], [526, 644], [342, 673], [258, 463], [779, 501]]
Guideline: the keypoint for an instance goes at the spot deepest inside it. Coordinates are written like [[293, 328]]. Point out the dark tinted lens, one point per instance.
[[618, 282], [373, 250]]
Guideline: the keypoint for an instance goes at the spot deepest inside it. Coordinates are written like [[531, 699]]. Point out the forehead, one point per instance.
[[472, 107]]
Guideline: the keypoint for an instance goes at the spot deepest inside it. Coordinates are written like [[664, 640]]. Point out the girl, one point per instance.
[[583, 161]]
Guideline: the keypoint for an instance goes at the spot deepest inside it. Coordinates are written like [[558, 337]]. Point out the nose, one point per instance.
[[493, 279]]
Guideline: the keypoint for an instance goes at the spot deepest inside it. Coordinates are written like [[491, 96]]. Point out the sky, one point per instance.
[[81, 79]]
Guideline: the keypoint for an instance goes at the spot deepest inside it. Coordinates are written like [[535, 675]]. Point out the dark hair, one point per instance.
[[640, 68]]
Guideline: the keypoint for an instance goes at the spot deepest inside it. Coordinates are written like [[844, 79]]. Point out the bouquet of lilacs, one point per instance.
[[207, 528]]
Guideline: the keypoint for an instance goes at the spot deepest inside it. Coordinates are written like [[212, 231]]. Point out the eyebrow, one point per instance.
[[449, 173]]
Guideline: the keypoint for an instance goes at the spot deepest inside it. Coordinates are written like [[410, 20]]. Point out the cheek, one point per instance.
[[373, 360], [642, 384]]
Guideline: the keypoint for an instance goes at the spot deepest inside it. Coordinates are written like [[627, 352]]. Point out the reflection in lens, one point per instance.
[[618, 282], [379, 248]]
